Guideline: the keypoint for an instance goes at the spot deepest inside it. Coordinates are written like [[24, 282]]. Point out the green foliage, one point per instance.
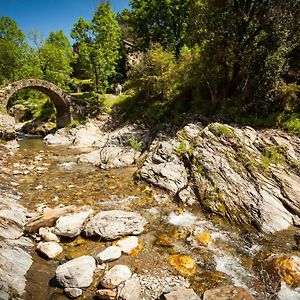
[[272, 155], [55, 56], [160, 21], [98, 47], [152, 76], [221, 130], [292, 124], [135, 143], [12, 42]]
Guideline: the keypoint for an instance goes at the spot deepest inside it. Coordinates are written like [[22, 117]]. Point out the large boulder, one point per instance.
[[15, 261], [76, 273], [7, 127], [248, 176], [114, 224], [115, 276], [12, 217], [164, 168]]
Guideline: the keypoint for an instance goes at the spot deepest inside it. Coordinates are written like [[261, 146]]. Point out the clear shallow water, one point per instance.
[[49, 176]]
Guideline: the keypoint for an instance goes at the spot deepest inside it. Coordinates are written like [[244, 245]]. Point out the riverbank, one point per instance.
[[177, 244]]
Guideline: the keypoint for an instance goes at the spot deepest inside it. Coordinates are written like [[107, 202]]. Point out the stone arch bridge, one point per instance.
[[65, 104]]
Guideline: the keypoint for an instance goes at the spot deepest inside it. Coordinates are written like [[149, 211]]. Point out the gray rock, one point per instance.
[[187, 196], [73, 292], [15, 262], [71, 226], [131, 289], [114, 224], [50, 249], [86, 135], [12, 217], [7, 127], [231, 173], [109, 254], [164, 168], [182, 294], [128, 244], [61, 137], [76, 273], [115, 276], [47, 235]]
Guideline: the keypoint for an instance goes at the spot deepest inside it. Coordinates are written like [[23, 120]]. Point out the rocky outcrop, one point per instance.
[[112, 148], [250, 177], [12, 217], [7, 127], [15, 262]]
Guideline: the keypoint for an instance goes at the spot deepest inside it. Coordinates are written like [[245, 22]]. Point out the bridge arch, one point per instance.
[[61, 99]]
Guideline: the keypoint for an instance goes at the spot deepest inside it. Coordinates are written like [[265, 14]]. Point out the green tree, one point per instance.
[[98, 46], [160, 21], [12, 43], [54, 56]]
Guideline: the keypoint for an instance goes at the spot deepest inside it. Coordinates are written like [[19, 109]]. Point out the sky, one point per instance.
[[52, 15]]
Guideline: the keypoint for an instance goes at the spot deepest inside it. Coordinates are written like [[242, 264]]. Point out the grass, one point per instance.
[[221, 130], [272, 155]]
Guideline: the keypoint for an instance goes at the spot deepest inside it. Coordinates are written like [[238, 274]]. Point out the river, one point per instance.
[[49, 176]]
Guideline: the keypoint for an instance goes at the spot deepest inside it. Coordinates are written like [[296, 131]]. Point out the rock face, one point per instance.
[[227, 292], [115, 276], [247, 176], [12, 217], [112, 148], [71, 226], [7, 127], [164, 168], [114, 224], [76, 273], [14, 262]]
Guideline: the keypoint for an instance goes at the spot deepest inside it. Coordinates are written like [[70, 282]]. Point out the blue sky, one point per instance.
[[52, 15]]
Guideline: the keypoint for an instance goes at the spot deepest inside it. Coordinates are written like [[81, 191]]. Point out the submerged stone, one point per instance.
[[227, 292], [289, 269], [184, 264], [182, 294]]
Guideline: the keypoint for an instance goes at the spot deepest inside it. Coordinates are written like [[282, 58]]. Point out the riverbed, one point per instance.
[[49, 176]]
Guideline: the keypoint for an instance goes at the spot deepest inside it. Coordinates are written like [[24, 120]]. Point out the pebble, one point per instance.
[[109, 254]]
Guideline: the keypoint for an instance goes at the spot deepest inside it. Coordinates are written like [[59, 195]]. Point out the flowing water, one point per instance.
[[49, 176]]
